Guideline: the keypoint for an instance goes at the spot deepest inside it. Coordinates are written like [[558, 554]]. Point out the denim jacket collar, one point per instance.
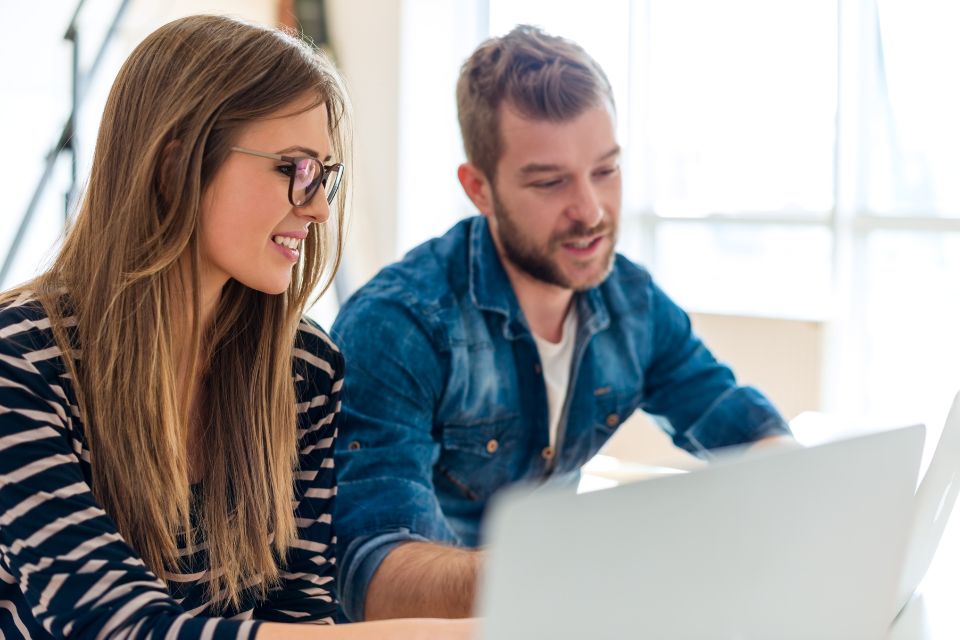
[[491, 289], [592, 311]]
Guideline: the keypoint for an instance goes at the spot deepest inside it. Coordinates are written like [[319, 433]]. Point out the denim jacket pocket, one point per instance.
[[477, 459]]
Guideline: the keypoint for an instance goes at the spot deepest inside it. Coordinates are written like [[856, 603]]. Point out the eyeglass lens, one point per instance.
[[309, 176], [306, 180]]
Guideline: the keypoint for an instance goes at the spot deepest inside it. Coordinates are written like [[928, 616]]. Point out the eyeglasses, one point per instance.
[[307, 175]]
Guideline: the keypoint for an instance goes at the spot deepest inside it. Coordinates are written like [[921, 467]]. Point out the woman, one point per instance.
[[172, 476]]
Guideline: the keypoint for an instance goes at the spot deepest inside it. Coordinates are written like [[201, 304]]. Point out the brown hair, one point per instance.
[[540, 76], [189, 87]]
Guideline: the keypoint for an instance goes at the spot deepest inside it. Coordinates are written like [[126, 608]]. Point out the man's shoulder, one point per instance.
[[628, 280], [432, 276], [634, 299], [627, 270]]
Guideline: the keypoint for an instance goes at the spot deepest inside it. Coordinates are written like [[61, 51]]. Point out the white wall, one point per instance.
[[404, 176], [367, 48]]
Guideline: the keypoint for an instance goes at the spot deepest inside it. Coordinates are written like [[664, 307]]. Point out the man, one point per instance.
[[512, 347]]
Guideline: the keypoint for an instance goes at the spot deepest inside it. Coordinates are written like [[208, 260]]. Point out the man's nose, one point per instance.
[[585, 208]]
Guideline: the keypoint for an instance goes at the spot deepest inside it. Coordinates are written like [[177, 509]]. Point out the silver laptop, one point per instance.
[[934, 501], [804, 543]]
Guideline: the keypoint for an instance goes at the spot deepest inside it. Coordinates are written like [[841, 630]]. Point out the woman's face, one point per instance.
[[249, 231]]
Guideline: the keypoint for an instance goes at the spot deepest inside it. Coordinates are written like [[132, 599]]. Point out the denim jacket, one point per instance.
[[444, 400]]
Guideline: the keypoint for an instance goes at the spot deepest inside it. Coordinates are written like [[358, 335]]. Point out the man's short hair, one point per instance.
[[540, 76]]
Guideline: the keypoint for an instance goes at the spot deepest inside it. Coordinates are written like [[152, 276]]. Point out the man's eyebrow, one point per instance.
[[536, 167], [610, 154], [306, 150]]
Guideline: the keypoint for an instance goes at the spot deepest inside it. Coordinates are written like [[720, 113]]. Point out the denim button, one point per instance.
[[537, 368], [492, 446], [353, 446], [612, 420], [547, 453]]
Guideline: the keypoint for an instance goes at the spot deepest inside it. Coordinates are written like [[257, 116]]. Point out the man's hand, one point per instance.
[[775, 442]]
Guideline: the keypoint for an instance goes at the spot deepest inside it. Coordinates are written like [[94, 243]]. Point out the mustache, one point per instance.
[[580, 231]]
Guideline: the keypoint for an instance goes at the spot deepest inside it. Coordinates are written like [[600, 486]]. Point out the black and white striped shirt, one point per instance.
[[64, 569]]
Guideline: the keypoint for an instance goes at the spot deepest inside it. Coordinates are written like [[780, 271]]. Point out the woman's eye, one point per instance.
[[287, 169]]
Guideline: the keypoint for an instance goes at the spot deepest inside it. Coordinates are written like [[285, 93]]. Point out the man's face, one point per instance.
[[556, 197]]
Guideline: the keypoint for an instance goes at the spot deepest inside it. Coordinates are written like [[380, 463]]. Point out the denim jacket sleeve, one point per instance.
[[386, 451], [703, 405]]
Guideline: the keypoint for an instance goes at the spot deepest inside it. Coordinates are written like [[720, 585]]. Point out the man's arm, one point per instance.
[[422, 579], [699, 397], [386, 446]]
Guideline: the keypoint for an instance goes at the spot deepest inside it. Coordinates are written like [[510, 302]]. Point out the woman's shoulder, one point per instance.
[[316, 351], [24, 325], [31, 361]]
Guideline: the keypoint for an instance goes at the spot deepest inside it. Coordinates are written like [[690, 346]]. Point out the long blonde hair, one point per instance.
[[194, 82]]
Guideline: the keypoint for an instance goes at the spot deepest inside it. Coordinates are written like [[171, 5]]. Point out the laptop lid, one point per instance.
[[934, 501], [781, 544]]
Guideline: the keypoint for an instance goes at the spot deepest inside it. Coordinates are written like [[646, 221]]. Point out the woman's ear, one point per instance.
[[477, 187]]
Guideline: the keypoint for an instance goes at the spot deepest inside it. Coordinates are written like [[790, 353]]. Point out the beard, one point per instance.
[[538, 261]]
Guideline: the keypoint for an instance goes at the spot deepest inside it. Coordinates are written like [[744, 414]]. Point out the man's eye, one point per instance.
[[606, 171], [547, 184]]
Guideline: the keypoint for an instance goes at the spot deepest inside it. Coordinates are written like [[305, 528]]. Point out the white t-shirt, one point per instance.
[[555, 358]]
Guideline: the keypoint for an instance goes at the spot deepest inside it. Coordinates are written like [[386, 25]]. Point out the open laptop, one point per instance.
[[804, 543], [933, 503]]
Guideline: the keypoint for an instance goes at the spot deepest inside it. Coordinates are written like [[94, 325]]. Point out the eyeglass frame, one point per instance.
[[292, 160]]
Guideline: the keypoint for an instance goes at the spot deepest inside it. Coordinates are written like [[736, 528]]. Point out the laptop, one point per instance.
[[799, 543], [933, 503]]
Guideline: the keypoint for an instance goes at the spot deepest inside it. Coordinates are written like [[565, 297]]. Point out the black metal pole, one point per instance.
[[101, 52], [66, 140], [73, 37]]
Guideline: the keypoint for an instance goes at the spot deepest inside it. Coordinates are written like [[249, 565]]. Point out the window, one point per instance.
[[910, 155], [797, 160]]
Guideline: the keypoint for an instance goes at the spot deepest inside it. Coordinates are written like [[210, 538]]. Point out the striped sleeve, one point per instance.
[[77, 575], [307, 591]]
